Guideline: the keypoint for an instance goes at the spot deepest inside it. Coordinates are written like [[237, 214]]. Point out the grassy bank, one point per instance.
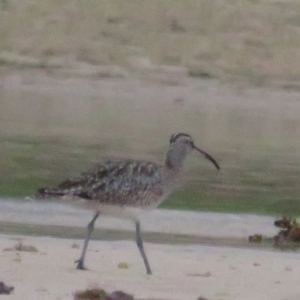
[[53, 128], [258, 40], [28, 165]]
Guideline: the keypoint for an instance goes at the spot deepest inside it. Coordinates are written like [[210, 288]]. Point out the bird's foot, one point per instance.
[[80, 265], [149, 272]]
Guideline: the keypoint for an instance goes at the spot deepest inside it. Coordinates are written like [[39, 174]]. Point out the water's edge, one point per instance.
[[21, 217]]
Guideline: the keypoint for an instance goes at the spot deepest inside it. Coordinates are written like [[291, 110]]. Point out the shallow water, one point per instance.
[[52, 127]]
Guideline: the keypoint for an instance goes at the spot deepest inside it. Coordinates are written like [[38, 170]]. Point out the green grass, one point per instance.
[[29, 165], [196, 200]]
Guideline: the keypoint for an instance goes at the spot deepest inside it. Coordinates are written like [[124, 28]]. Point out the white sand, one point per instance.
[[179, 272]]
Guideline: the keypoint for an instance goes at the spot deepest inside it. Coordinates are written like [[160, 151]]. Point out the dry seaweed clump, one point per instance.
[[287, 238], [256, 238], [90, 294], [289, 235], [118, 295], [100, 294]]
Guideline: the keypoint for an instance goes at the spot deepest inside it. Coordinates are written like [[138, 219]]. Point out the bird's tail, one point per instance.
[[46, 193], [56, 192]]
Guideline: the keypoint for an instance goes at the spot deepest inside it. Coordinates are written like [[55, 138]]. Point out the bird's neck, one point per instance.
[[175, 159]]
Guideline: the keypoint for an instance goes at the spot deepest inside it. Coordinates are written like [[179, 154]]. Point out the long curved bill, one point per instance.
[[207, 156]]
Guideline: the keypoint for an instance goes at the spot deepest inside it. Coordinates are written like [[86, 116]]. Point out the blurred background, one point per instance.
[[81, 81]]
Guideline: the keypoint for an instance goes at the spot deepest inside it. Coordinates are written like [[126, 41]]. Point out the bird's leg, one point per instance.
[[139, 243], [90, 229]]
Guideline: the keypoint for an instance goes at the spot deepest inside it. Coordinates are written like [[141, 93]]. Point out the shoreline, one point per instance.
[[163, 221]]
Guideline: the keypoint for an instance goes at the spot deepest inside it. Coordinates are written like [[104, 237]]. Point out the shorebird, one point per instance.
[[125, 188]]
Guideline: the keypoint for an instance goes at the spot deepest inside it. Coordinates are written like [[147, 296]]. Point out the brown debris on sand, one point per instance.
[[100, 294], [289, 235], [90, 294], [256, 238], [118, 295], [287, 238], [123, 265], [5, 289], [26, 248], [21, 247]]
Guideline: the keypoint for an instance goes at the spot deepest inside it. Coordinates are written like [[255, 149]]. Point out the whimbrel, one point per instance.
[[125, 188]]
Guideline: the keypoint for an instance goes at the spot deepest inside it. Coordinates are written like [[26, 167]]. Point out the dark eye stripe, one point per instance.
[[175, 136]]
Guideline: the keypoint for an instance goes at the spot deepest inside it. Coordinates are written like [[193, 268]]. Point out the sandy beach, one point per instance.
[[85, 81], [180, 271]]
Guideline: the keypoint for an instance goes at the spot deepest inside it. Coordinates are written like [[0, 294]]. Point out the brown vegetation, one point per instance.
[[258, 40], [289, 235], [100, 294]]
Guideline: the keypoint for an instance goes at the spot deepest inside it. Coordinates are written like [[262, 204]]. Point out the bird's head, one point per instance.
[[181, 144]]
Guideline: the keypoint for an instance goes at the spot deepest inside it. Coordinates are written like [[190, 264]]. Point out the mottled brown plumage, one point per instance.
[[125, 188], [127, 182]]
